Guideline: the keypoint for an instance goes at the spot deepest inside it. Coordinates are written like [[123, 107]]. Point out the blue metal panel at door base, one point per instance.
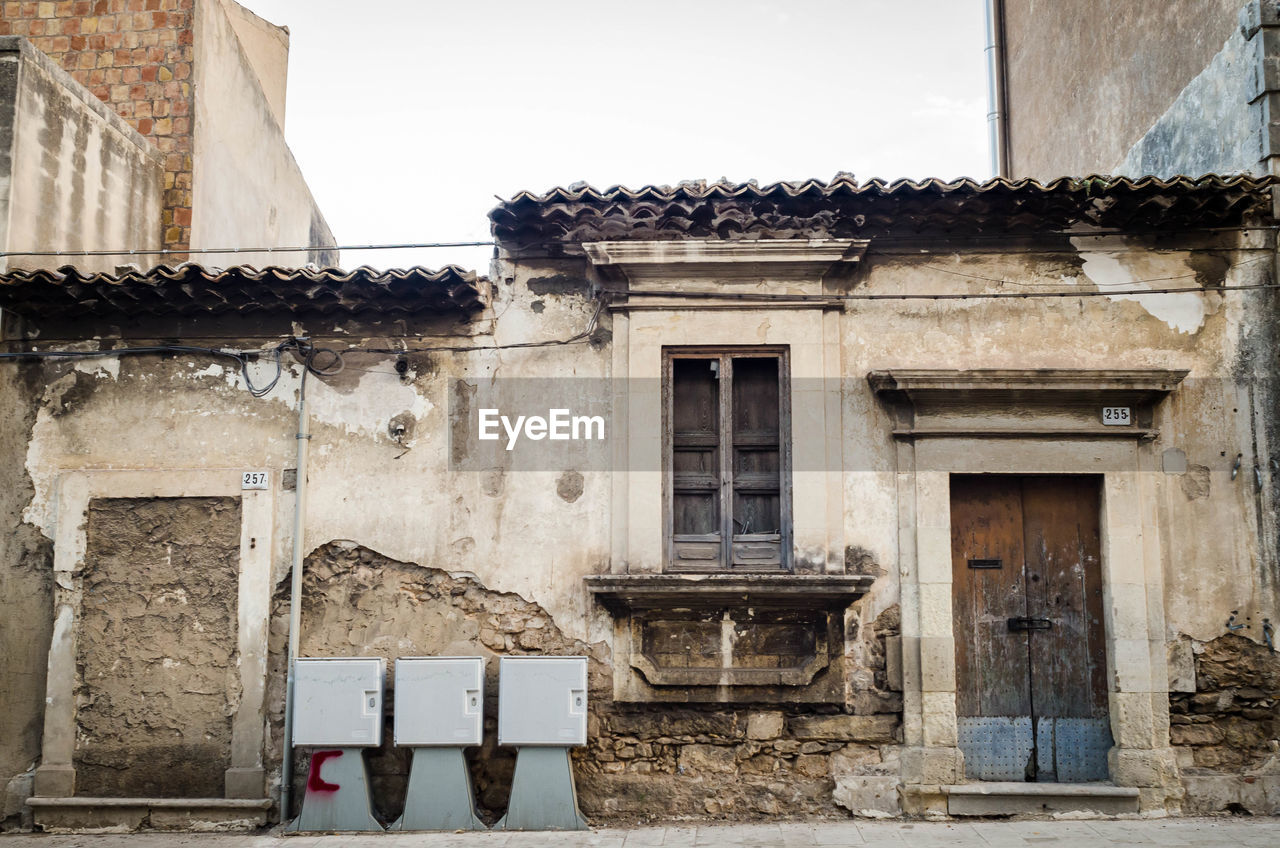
[[1080, 748], [996, 748], [1068, 750]]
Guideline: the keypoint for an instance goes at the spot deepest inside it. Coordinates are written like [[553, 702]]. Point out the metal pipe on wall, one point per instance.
[[997, 116], [295, 591]]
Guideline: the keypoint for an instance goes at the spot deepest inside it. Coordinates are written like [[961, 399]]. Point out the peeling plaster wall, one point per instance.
[[157, 647], [1209, 418], [73, 174], [26, 592], [394, 534]]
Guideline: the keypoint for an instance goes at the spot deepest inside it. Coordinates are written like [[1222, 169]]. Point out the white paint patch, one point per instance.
[[369, 406], [211, 370], [261, 373], [1183, 312], [41, 469], [63, 625], [108, 366]]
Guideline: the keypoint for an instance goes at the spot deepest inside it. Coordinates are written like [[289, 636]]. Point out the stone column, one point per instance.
[[246, 776], [931, 757], [1136, 666]]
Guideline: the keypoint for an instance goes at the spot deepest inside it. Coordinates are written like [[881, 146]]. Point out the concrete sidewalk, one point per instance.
[[1167, 833]]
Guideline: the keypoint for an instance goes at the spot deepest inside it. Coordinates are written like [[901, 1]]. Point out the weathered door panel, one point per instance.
[[992, 675], [1064, 585]]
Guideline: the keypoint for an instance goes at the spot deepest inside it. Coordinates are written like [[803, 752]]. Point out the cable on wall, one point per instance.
[[331, 360], [424, 245], [319, 361]]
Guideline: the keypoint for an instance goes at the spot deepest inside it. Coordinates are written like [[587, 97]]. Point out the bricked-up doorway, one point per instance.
[[157, 647], [1031, 696]]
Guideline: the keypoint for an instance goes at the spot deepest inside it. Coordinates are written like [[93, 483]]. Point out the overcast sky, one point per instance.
[[409, 116]]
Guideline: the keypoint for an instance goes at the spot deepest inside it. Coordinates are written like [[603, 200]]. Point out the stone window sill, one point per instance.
[[624, 593], [759, 638]]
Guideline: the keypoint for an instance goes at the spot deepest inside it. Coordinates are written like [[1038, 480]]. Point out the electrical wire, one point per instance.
[[320, 361], [828, 298], [216, 250], [306, 352], [875, 239], [1120, 283], [576, 338], [240, 357]]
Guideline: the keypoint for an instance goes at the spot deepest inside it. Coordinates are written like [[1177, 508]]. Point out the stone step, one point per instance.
[[1012, 798], [115, 815]]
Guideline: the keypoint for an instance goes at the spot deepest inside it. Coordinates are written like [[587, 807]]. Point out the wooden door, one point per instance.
[[1027, 599]]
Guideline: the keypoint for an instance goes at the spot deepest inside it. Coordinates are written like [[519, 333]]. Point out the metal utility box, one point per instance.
[[542, 701], [337, 702], [439, 701]]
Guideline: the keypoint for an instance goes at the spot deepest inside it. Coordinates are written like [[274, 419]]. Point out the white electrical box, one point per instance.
[[337, 702], [439, 701], [542, 701]]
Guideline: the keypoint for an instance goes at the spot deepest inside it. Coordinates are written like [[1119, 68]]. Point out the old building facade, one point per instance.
[[922, 498]]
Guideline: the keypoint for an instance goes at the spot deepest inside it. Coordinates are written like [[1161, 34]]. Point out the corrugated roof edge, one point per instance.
[[845, 183], [193, 289], [249, 272]]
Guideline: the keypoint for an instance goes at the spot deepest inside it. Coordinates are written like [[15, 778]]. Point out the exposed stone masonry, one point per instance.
[[1230, 723], [656, 761], [641, 761]]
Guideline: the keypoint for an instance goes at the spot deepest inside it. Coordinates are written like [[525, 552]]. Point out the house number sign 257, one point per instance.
[[1117, 415], [253, 480]]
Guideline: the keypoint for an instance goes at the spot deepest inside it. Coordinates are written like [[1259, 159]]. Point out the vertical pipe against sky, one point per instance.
[[997, 118]]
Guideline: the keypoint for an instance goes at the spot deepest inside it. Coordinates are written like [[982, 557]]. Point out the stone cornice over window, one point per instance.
[[725, 262]]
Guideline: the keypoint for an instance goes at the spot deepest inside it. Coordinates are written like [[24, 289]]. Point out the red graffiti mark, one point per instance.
[[316, 783]]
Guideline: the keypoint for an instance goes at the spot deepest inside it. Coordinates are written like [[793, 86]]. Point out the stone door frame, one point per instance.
[[73, 491], [928, 453]]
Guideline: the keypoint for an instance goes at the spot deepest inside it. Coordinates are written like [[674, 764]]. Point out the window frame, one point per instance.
[[724, 564]]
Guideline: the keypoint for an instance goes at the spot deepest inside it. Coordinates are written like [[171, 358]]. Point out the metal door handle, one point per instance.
[[1024, 623]]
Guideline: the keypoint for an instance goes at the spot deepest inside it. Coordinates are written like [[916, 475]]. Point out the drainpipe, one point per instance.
[[997, 118], [295, 592]]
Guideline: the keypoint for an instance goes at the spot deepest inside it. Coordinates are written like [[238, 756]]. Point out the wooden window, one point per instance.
[[727, 459]]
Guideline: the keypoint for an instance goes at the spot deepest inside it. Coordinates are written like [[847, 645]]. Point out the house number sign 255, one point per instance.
[[1118, 416], [253, 480]]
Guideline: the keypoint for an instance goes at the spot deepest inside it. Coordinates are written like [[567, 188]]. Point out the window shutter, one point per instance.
[[756, 444], [728, 475], [697, 541]]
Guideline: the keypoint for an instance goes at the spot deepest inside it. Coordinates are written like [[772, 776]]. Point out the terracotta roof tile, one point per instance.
[[843, 208], [191, 289]]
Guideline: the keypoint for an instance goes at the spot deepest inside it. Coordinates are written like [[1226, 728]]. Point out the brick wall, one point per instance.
[[135, 55]]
